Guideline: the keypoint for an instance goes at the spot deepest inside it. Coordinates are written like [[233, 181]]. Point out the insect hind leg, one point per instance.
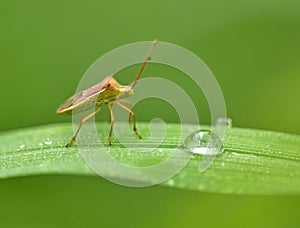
[[83, 120]]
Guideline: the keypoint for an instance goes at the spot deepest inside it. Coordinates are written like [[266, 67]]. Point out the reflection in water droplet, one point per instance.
[[203, 142]]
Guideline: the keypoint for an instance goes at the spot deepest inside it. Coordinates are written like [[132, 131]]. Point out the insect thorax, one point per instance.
[[108, 95]]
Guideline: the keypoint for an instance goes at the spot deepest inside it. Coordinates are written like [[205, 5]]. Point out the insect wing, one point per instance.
[[83, 96]]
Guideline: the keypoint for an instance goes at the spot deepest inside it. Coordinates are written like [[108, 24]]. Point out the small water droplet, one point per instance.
[[41, 144], [203, 142], [84, 92], [243, 156], [224, 121], [22, 146], [48, 142], [171, 182]]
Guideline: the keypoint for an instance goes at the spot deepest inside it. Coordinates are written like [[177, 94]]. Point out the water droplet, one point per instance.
[[48, 142], [203, 142], [243, 156], [171, 182], [22, 146], [224, 121], [84, 92]]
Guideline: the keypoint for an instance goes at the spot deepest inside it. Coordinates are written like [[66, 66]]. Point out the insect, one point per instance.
[[108, 92]]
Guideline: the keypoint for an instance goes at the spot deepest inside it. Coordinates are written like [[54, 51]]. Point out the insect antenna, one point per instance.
[[147, 59]]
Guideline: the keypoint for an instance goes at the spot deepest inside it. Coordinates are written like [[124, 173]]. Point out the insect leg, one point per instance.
[[112, 121], [85, 119], [131, 113], [128, 103]]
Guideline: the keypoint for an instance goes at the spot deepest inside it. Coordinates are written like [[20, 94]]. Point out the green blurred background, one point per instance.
[[253, 48]]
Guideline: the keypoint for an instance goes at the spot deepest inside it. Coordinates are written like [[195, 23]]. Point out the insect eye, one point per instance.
[[106, 85]]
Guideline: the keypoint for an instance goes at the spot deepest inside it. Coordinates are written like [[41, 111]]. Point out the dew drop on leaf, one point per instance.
[[203, 142]]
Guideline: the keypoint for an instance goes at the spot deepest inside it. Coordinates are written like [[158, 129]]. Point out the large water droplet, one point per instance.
[[203, 142], [208, 143]]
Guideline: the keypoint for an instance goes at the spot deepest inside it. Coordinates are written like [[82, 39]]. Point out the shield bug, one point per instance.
[[108, 92]]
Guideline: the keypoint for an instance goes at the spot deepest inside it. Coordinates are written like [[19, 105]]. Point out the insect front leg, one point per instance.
[[132, 114], [112, 121], [85, 119]]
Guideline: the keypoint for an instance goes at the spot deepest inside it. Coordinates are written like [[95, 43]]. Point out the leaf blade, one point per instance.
[[253, 161]]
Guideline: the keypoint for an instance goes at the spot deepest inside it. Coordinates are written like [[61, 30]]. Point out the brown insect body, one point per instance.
[[108, 92], [105, 92]]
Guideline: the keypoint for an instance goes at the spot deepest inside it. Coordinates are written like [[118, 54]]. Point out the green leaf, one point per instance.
[[253, 161]]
